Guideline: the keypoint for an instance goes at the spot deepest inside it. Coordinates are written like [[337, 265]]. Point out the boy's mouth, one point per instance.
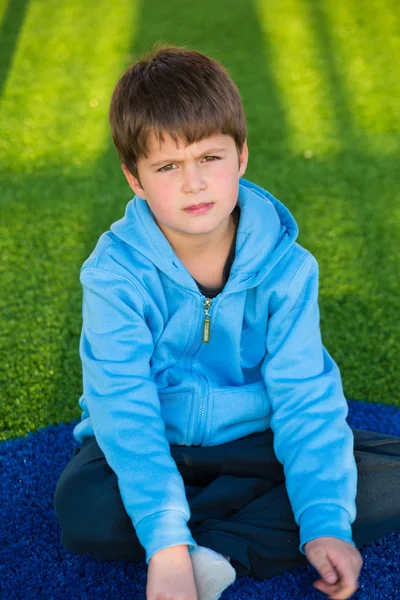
[[199, 208]]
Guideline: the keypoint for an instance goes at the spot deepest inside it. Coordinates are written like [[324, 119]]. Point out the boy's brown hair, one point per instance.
[[178, 91]]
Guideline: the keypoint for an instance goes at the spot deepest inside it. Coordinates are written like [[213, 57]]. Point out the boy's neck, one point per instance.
[[197, 248]]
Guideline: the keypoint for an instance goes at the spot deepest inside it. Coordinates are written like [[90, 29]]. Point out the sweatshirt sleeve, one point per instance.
[[116, 347], [312, 439]]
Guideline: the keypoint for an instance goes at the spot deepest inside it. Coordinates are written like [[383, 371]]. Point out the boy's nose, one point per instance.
[[193, 181]]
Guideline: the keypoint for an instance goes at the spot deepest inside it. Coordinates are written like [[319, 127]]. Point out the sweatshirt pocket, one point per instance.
[[237, 412], [175, 412]]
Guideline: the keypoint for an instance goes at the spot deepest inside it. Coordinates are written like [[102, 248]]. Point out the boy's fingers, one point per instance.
[[344, 566], [331, 583], [344, 588], [335, 587]]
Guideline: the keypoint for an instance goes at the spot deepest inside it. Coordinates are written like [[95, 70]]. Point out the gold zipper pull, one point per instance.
[[207, 320]]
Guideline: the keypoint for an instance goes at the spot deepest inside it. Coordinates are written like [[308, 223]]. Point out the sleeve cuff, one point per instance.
[[164, 530], [324, 520]]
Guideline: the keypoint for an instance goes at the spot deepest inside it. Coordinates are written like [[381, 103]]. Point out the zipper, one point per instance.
[[206, 320], [206, 338], [200, 427]]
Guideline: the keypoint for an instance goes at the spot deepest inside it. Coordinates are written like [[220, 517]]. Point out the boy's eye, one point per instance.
[[166, 168]]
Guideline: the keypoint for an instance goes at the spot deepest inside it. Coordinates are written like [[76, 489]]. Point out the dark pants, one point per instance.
[[237, 497]]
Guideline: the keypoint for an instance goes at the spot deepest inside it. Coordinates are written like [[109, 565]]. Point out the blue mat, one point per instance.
[[34, 565]]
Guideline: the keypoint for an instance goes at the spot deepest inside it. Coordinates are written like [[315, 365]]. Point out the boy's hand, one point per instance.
[[170, 575], [330, 555]]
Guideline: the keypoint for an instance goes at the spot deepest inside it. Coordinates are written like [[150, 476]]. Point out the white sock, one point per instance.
[[213, 573]]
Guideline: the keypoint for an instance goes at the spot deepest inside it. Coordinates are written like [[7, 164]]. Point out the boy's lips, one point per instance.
[[199, 208], [198, 205]]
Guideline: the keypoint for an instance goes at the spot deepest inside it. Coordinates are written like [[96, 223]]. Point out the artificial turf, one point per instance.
[[320, 84]]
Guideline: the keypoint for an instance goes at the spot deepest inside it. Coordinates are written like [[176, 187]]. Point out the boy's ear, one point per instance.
[[243, 159], [134, 183]]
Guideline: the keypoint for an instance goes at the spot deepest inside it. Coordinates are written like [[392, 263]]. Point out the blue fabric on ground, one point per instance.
[[34, 565]]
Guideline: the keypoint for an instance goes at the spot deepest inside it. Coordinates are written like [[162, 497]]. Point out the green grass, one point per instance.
[[320, 83]]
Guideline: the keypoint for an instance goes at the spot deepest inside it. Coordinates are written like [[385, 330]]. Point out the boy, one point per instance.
[[214, 435]]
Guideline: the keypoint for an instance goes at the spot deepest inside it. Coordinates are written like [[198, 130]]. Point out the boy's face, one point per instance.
[[204, 172]]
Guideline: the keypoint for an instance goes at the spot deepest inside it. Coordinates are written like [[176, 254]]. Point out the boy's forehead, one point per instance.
[[156, 147]]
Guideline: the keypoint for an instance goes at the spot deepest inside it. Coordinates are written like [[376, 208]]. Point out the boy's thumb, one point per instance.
[[330, 577], [321, 562]]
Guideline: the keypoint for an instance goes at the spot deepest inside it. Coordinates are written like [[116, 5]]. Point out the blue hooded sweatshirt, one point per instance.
[[162, 364]]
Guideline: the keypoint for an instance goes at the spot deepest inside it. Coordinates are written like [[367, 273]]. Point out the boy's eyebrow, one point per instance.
[[173, 160]]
